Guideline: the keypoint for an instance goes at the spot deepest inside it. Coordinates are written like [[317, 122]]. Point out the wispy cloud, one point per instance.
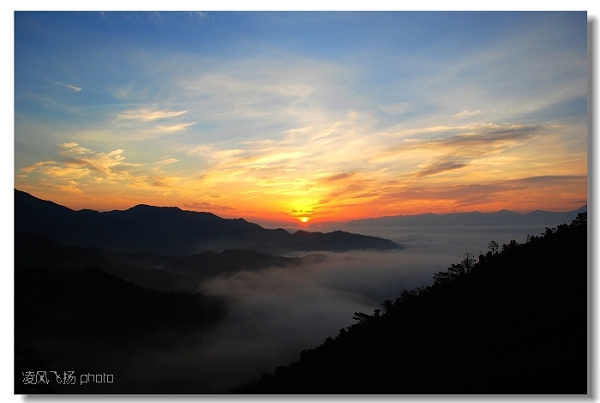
[[72, 87], [147, 115], [79, 167], [467, 113], [73, 148], [340, 176], [207, 206], [440, 166], [166, 161], [465, 141]]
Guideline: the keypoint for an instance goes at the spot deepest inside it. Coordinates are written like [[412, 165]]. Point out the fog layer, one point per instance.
[[278, 312]]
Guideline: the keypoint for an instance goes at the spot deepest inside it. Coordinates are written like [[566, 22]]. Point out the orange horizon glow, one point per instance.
[[284, 136], [368, 210]]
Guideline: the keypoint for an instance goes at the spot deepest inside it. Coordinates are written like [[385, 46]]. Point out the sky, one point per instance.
[[282, 117]]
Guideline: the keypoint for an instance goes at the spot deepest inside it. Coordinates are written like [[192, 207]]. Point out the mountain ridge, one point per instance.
[[501, 217], [172, 231]]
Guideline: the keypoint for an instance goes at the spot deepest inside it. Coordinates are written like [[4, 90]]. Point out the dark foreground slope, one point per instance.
[[157, 272], [511, 323], [172, 231], [88, 321]]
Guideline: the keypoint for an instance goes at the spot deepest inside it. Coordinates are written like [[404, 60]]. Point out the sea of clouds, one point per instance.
[[278, 312]]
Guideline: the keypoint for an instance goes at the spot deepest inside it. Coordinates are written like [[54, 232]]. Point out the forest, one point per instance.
[[512, 321]]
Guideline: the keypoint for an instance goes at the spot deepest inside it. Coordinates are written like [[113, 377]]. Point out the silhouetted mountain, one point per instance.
[[201, 266], [513, 322], [171, 231], [91, 303], [502, 217], [150, 270], [86, 320], [36, 251]]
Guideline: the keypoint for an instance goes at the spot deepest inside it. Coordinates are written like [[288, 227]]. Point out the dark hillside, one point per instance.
[[36, 251], [162, 273], [86, 320], [201, 266], [93, 304], [171, 231], [513, 322]]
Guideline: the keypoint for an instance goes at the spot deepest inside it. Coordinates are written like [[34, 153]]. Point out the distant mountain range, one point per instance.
[[502, 217], [173, 232], [149, 270]]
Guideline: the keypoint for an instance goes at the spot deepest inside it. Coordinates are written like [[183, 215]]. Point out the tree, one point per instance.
[[493, 247], [456, 270], [581, 219], [361, 317]]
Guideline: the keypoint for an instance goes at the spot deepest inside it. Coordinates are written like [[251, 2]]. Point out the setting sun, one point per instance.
[[262, 136]]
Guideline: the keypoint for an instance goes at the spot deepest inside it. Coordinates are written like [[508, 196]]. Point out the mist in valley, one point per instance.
[[278, 312], [274, 313]]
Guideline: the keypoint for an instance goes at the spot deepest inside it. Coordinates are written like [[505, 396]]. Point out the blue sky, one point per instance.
[[321, 115]]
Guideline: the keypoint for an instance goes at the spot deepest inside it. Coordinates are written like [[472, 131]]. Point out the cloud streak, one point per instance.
[[148, 115]]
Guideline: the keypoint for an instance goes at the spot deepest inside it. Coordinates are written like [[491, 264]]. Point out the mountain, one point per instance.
[[88, 320], [513, 322], [37, 251], [172, 231], [201, 266], [502, 217]]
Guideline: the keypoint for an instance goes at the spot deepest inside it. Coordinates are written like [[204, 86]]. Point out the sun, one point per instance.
[[304, 219]]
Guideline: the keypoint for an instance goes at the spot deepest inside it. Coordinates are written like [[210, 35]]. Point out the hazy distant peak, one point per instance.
[[149, 207], [505, 211]]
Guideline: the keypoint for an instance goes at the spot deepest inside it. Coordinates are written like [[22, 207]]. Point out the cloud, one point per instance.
[[73, 148], [441, 166], [160, 181], [551, 179], [463, 142], [72, 87], [166, 161], [148, 115], [340, 176], [36, 166], [149, 132], [200, 14], [525, 194], [81, 167], [206, 206], [467, 113], [68, 187], [281, 311]]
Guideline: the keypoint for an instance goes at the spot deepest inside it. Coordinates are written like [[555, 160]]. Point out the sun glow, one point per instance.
[[304, 219]]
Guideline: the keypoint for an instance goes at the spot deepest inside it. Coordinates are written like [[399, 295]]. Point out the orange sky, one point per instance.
[[268, 121]]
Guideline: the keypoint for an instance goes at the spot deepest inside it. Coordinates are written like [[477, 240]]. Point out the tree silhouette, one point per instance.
[[456, 270], [492, 327], [493, 247]]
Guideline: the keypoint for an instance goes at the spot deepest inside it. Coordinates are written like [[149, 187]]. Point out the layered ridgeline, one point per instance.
[[172, 231], [82, 309], [514, 321], [149, 270], [473, 218], [77, 310]]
